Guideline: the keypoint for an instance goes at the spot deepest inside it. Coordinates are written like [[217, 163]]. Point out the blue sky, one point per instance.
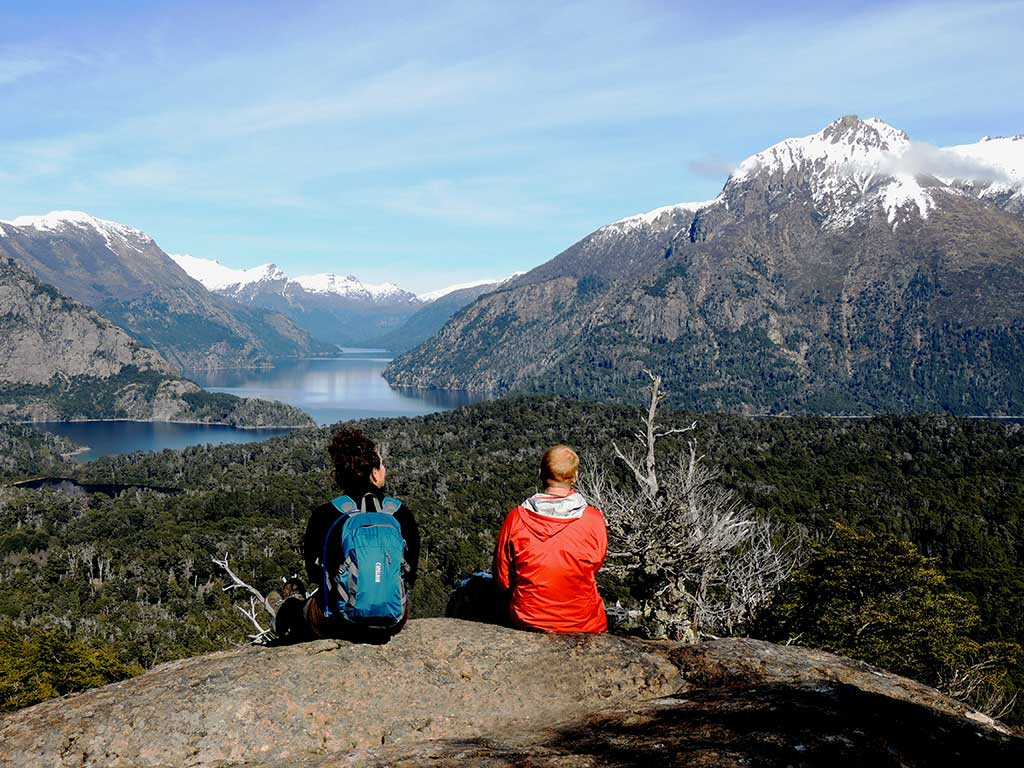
[[430, 143]]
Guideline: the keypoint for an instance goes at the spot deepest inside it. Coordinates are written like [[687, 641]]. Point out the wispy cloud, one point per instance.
[[14, 67], [711, 167], [518, 126]]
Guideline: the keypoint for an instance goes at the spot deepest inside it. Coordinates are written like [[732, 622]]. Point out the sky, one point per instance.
[[443, 142]]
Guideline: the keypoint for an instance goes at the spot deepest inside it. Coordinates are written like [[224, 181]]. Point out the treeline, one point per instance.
[[133, 573], [25, 452]]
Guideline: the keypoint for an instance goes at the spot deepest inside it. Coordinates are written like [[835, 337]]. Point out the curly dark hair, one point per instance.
[[355, 457]]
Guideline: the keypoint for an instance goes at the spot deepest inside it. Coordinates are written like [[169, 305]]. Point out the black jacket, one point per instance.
[[323, 516]]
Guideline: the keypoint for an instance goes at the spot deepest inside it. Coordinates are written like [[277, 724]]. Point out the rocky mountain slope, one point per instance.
[[448, 693], [334, 309], [59, 359], [432, 316], [124, 275], [850, 271]]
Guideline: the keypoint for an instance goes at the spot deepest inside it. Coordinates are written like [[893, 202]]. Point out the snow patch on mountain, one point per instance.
[[437, 294], [647, 219], [215, 276], [901, 192], [56, 221]]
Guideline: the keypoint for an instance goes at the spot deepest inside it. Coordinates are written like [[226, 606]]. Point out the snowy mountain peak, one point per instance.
[[848, 147], [1002, 155], [55, 221], [216, 277], [871, 133], [849, 167], [328, 282]]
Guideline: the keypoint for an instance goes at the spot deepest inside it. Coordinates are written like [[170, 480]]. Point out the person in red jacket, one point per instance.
[[549, 551]]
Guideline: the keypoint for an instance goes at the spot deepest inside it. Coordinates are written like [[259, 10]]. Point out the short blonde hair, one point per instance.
[[559, 465]]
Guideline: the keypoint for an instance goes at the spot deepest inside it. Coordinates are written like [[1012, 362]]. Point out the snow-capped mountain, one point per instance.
[[216, 277], [123, 274], [234, 282], [852, 270], [852, 167], [333, 308], [340, 309], [61, 221], [350, 285]]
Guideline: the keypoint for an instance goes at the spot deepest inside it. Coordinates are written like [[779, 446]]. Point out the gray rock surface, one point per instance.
[[447, 693], [45, 334]]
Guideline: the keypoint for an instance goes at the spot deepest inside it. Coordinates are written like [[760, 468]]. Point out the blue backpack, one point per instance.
[[364, 564]]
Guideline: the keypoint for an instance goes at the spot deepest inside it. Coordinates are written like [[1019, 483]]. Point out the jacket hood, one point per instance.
[[547, 515]]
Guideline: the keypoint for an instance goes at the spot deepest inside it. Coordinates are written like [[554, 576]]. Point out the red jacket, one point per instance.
[[549, 550]]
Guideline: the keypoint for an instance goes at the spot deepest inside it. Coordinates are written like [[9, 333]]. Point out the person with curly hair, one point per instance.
[[360, 473]]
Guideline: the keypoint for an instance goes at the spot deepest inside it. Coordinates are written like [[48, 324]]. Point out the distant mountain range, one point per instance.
[[336, 309], [60, 359], [124, 275], [849, 271]]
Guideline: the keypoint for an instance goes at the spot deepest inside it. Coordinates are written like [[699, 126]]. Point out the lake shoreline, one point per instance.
[[169, 421]]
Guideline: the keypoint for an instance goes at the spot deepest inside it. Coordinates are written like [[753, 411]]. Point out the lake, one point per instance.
[[328, 389]]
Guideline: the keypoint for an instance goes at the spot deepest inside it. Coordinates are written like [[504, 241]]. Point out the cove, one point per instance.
[[329, 389]]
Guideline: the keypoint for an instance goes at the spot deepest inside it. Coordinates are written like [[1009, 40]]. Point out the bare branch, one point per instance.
[[237, 583], [256, 600]]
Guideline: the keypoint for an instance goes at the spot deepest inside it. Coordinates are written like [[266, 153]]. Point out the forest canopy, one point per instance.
[[133, 572]]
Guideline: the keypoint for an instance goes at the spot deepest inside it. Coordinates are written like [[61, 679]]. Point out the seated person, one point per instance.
[[360, 473], [549, 551]]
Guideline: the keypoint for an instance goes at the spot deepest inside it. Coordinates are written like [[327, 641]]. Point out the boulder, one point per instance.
[[447, 693]]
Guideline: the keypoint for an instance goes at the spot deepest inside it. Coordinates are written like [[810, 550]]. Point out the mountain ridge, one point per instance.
[[338, 310], [123, 274], [825, 277]]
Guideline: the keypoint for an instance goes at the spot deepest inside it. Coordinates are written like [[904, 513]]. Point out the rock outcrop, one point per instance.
[[448, 693]]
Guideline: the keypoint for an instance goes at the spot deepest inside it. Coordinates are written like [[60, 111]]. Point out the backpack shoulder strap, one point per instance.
[[390, 505], [346, 507], [344, 504]]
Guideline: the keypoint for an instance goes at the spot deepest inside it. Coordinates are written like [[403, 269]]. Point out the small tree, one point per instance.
[[697, 559], [875, 597]]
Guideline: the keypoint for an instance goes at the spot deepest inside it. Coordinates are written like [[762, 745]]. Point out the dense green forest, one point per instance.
[[132, 574]]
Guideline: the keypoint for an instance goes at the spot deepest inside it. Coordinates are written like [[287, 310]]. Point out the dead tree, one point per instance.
[[256, 601], [701, 561]]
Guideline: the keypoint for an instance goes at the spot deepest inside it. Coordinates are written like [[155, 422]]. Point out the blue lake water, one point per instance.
[[328, 389]]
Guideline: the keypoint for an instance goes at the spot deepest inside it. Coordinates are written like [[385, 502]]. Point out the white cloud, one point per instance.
[[923, 159]]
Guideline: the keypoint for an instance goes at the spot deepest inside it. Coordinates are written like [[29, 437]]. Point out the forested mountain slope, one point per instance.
[[830, 275]]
